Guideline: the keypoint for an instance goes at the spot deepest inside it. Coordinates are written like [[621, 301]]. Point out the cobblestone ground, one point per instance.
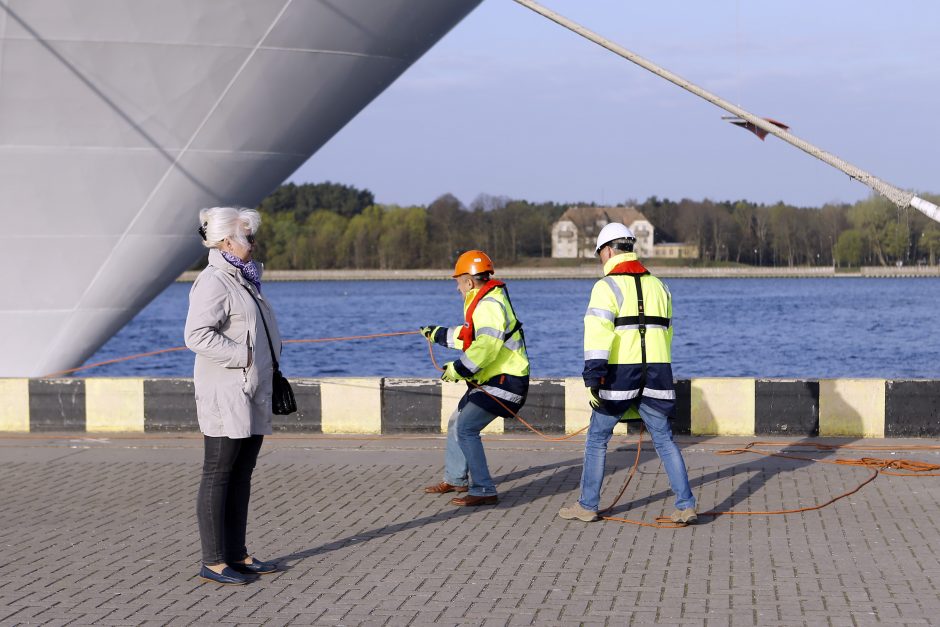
[[102, 531]]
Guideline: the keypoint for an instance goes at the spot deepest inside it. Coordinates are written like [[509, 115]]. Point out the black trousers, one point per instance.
[[222, 505]]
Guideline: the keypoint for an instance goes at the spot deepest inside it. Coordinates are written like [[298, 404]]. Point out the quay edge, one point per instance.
[[870, 408]]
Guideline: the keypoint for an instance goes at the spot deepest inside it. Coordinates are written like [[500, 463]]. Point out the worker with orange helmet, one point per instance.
[[496, 368]]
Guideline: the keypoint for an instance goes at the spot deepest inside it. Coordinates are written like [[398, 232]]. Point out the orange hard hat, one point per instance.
[[473, 262]]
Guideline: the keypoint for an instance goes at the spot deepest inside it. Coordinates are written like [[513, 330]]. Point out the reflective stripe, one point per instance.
[[622, 395], [513, 345], [600, 313], [597, 354], [636, 327], [663, 394], [616, 290], [618, 395], [501, 306], [451, 332], [499, 393], [491, 332], [468, 364]]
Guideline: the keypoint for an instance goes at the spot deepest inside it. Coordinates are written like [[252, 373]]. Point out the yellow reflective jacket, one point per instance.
[[628, 355], [496, 358]]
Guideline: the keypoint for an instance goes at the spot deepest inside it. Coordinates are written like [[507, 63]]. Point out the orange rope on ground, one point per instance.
[[877, 466], [660, 523], [832, 447]]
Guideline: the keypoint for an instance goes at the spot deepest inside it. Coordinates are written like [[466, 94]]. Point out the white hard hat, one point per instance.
[[610, 232]]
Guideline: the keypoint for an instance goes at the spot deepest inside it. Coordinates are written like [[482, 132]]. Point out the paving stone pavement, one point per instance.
[[102, 531]]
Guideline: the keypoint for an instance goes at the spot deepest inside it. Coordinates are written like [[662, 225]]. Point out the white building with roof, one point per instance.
[[575, 233]]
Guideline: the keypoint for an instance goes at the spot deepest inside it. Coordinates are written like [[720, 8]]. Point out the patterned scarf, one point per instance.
[[249, 269]]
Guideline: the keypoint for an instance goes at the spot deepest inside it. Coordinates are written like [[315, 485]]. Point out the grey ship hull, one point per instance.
[[119, 119]]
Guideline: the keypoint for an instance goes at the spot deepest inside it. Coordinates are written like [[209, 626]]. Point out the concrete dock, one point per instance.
[[99, 529]]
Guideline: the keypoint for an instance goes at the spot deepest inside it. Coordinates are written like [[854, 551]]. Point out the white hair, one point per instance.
[[220, 223]]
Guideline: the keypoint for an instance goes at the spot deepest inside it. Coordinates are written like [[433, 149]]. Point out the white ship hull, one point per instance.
[[119, 119]]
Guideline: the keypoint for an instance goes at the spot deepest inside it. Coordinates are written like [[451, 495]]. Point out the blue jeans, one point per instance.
[[595, 456], [464, 458], [455, 464]]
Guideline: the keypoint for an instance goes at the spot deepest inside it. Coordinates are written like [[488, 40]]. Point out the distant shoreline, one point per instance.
[[594, 272]]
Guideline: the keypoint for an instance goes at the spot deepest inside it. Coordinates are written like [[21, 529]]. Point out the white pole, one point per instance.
[[901, 198]]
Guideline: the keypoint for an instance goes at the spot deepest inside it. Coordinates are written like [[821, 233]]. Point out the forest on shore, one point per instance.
[[330, 225]]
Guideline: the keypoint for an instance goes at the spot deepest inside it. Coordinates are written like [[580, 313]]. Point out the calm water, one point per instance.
[[775, 328]]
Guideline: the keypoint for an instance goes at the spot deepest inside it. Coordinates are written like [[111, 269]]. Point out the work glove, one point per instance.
[[438, 335], [594, 393], [450, 373]]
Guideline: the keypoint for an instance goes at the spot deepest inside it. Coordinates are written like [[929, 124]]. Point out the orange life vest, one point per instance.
[[466, 332], [628, 267]]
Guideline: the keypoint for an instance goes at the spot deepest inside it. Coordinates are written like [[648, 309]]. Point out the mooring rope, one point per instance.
[[899, 197], [182, 348], [877, 466]]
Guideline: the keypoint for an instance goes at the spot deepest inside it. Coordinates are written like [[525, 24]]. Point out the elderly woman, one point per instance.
[[225, 327]]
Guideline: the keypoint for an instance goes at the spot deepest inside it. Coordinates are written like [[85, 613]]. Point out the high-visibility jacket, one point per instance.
[[628, 352], [495, 356]]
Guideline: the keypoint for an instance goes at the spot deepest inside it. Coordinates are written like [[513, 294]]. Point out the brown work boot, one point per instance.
[[577, 512], [685, 516], [443, 488]]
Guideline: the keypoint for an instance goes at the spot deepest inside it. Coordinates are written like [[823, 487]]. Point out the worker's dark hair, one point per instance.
[[483, 277], [623, 244]]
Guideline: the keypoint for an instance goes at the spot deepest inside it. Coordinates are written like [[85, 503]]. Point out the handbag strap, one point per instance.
[[265, 323]]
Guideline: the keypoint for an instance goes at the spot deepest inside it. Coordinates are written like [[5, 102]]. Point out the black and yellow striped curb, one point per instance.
[[870, 408]]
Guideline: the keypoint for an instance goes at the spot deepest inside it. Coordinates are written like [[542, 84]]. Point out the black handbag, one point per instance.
[[282, 396]]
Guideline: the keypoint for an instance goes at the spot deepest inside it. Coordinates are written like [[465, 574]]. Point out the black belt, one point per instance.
[[646, 320], [518, 325], [641, 320]]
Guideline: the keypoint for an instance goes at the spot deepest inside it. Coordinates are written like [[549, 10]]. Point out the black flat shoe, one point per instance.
[[227, 577], [256, 567]]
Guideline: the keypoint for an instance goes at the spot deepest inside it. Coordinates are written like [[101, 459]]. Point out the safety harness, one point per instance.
[[637, 270], [466, 333]]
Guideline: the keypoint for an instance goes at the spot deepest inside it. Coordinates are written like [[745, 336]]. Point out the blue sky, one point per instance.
[[510, 104]]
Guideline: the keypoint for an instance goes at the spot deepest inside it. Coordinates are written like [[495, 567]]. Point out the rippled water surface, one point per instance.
[[775, 328]]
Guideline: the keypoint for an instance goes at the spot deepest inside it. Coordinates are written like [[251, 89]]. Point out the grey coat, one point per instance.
[[234, 369]]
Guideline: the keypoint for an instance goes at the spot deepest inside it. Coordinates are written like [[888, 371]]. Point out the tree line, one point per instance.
[[328, 225]]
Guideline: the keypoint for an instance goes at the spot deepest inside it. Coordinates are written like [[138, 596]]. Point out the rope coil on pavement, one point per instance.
[[878, 467]]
